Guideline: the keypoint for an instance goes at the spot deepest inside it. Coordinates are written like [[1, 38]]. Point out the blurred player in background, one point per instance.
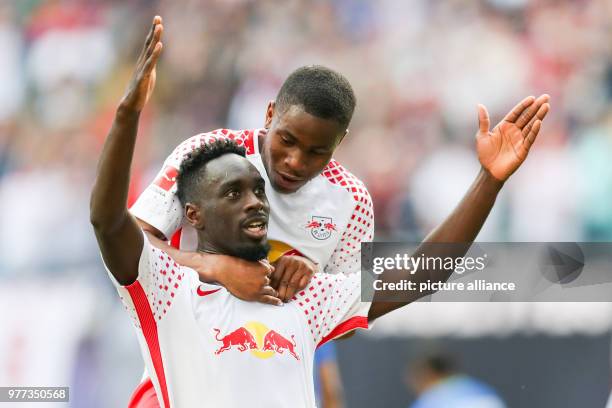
[[327, 380], [320, 210], [438, 383]]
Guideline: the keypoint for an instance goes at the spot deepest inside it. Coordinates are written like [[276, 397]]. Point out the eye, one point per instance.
[[286, 141], [260, 191], [233, 194]]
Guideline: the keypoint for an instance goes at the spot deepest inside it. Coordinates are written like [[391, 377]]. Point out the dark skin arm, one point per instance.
[[500, 152], [119, 236]]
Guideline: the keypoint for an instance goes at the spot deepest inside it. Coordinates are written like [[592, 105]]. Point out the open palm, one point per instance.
[[502, 150]]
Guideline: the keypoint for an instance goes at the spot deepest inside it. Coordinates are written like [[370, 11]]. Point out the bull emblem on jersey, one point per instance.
[[279, 343], [240, 337], [321, 227], [258, 339]]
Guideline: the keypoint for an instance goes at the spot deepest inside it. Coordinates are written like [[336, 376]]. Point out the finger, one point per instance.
[[540, 115], [277, 274], [157, 32], [270, 300], [527, 129], [518, 109], [269, 296], [268, 266], [152, 61], [530, 113], [269, 291], [483, 119], [304, 282], [293, 286], [284, 283], [156, 20], [531, 137]]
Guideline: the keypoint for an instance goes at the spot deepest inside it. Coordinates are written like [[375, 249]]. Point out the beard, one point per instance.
[[254, 252]]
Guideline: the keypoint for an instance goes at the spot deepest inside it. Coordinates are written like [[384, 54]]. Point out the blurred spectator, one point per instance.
[[327, 381], [438, 384]]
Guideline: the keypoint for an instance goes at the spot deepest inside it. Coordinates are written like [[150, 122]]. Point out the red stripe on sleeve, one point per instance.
[[149, 330], [356, 322]]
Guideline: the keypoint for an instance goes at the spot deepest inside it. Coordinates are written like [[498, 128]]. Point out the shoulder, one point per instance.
[[243, 137], [162, 261], [336, 174]]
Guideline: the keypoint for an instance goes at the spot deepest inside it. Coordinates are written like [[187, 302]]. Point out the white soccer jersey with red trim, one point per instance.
[[325, 220], [204, 347]]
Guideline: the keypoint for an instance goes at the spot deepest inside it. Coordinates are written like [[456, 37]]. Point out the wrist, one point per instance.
[[489, 181], [208, 272]]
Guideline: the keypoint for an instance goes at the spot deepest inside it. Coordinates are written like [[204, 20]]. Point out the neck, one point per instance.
[[207, 247]]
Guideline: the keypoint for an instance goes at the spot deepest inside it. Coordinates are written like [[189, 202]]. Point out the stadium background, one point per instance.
[[418, 69]]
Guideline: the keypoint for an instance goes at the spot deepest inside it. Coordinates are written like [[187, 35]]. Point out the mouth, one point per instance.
[[256, 227], [287, 181]]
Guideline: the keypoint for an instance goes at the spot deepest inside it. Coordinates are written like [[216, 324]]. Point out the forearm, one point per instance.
[[108, 205], [459, 230], [466, 220]]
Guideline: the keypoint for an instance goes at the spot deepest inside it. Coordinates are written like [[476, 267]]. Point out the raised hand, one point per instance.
[[502, 150], [142, 83]]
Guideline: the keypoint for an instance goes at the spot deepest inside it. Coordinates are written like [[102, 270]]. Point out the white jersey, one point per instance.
[[326, 220], [203, 346]]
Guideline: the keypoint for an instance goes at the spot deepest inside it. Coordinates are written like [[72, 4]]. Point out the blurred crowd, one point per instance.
[[418, 68]]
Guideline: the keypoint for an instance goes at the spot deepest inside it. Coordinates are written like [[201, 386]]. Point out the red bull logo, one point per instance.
[[313, 224], [167, 178], [241, 338], [258, 339], [276, 342], [321, 227]]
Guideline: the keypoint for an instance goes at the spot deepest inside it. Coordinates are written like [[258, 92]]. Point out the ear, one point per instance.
[[269, 114], [194, 216]]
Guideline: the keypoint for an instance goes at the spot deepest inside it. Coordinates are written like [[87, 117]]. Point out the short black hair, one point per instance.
[[322, 92], [440, 363], [190, 172]]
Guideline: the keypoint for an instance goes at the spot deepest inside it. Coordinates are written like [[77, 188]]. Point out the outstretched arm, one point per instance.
[[119, 236], [500, 152]]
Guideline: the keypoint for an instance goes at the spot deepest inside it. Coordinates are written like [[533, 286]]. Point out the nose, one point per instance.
[[255, 203], [295, 162]]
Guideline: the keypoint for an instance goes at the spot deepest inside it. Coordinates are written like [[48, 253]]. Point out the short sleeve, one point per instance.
[[158, 205], [159, 283], [332, 306], [346, 258]]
